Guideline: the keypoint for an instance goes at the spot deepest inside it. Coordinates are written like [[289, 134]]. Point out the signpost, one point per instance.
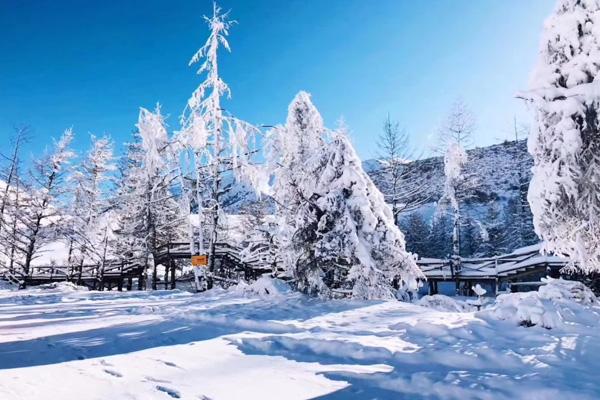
[[199, 262]]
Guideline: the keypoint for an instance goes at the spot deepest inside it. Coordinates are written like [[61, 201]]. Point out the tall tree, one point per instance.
[[147, 210], [454, 137], [400, 184], [91, 226], [40, 204], [219, 143], [288, 151], [565, 143]]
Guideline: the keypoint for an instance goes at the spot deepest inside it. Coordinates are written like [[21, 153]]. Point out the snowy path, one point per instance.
[[161, 345]]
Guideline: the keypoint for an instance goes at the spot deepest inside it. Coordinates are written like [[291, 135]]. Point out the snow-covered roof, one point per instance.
[[501, 266]]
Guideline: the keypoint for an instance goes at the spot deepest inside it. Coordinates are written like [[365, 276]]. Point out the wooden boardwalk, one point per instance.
[[122, 275], [522, 268], [115, 274]]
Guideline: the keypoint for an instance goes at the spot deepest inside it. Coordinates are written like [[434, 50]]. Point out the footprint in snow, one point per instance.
[[151, 379], [113, 373], [171, 392], [169, 363]]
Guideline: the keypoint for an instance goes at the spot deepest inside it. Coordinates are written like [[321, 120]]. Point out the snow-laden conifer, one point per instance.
[[289, 148], [565, 143], [90, 222], [217, 144], [345, 237], [149, 215]]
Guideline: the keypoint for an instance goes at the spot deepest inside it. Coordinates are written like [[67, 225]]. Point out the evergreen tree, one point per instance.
[[416, 233], [148, 213], [345, 237], [289, 148], [90, 224], [440, 238], [565, 144], [470, 238]]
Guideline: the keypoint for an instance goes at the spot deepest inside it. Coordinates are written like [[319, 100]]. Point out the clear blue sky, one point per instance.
[[91, 64]]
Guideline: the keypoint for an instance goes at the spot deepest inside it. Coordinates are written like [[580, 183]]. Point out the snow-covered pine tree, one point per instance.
[[147, 211], [416, 234], [345, 237], [38, 208], [162, 222], [288, 150], [90, 221], [440, 238], [219, 143], [565, 143], [129, 245]]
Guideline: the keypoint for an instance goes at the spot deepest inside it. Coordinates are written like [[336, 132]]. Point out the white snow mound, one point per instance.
[[554, 305], [439, 302], [264, 286], [62, 287]]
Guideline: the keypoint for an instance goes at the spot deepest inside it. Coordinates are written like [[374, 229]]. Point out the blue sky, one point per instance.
[[91, 64]]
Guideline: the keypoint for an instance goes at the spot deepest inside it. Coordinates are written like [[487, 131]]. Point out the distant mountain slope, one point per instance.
[[497, 168], [502, 173]]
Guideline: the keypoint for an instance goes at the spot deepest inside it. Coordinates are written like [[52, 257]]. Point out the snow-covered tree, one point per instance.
[[440, 237], [402, 186], [416, 231], [11, 205], [129, 243], [454, 137], [219, 143], [38, 207], [494, 238], [90, 224], [147, 210], [345, 237], [565, 189], [9, 174], [260, 246], [288, 151]]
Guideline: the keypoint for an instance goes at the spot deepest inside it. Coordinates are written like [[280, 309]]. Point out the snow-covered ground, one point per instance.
[[263, 342]]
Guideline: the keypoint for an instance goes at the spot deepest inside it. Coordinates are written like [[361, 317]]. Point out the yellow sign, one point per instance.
[[200, 261]]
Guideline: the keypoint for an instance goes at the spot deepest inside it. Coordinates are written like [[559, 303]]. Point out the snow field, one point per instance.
[[244, 343]]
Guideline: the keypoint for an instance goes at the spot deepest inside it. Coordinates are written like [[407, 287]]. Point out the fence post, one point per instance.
[[172, 273]]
